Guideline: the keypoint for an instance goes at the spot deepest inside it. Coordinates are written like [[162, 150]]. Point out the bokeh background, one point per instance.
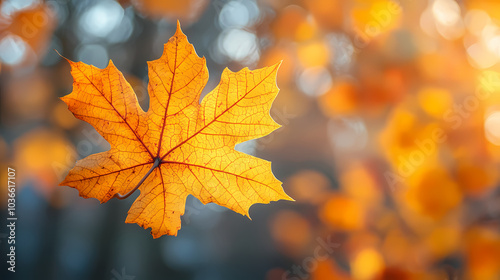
[[390, 141]]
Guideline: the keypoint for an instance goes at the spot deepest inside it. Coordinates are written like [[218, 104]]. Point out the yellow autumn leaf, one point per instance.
[[179, 146]]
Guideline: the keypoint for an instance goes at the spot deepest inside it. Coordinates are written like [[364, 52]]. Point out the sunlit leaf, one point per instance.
[[179, 146]]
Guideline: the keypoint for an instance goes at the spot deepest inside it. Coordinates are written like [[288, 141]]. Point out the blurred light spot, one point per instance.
[[96, 55], [291, 231], [480, 57], [443, 240], [12, 50], [284, 53], [49, 151], [435, 101], [342, 98], [348, 134], [308, 186], [63, 117], [293, 23], [102, 18], [489, 30], [8, 7], [494, 45], [351, 218], [238, 14], [427, 23], [367, 264], [27, 101], [448, 19], [492, 128], [123, 31], [451, 32], [490, 36], [342, 49], [476, 177], [239, 45], [313, 53], [446, 12], [482, 252], [360, 182], [476, 20], [315, 81], [433, 192]]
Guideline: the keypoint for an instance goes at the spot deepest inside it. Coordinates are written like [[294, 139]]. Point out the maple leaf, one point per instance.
[[179, 146]]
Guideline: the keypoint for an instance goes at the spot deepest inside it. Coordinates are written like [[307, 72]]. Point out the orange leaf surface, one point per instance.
[[179, 146]]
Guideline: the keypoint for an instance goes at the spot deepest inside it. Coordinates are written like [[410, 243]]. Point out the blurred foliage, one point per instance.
[[390, 141]]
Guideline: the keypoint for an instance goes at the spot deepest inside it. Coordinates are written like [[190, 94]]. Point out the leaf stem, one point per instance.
[[155, 164]]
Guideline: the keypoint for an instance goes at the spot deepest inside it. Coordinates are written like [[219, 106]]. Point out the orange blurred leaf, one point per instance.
[[343, 213], [433, 192], [482, 251], [375, 17], [342, 98], [328, 13], [45, 156], [187, 10], [292, 23], [291, 231], [32, 27]]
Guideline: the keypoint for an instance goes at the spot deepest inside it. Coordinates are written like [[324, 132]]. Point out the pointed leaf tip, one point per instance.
[[178, 29]]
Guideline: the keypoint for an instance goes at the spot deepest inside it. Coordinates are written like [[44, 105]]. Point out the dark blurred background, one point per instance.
[[390, 139]]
